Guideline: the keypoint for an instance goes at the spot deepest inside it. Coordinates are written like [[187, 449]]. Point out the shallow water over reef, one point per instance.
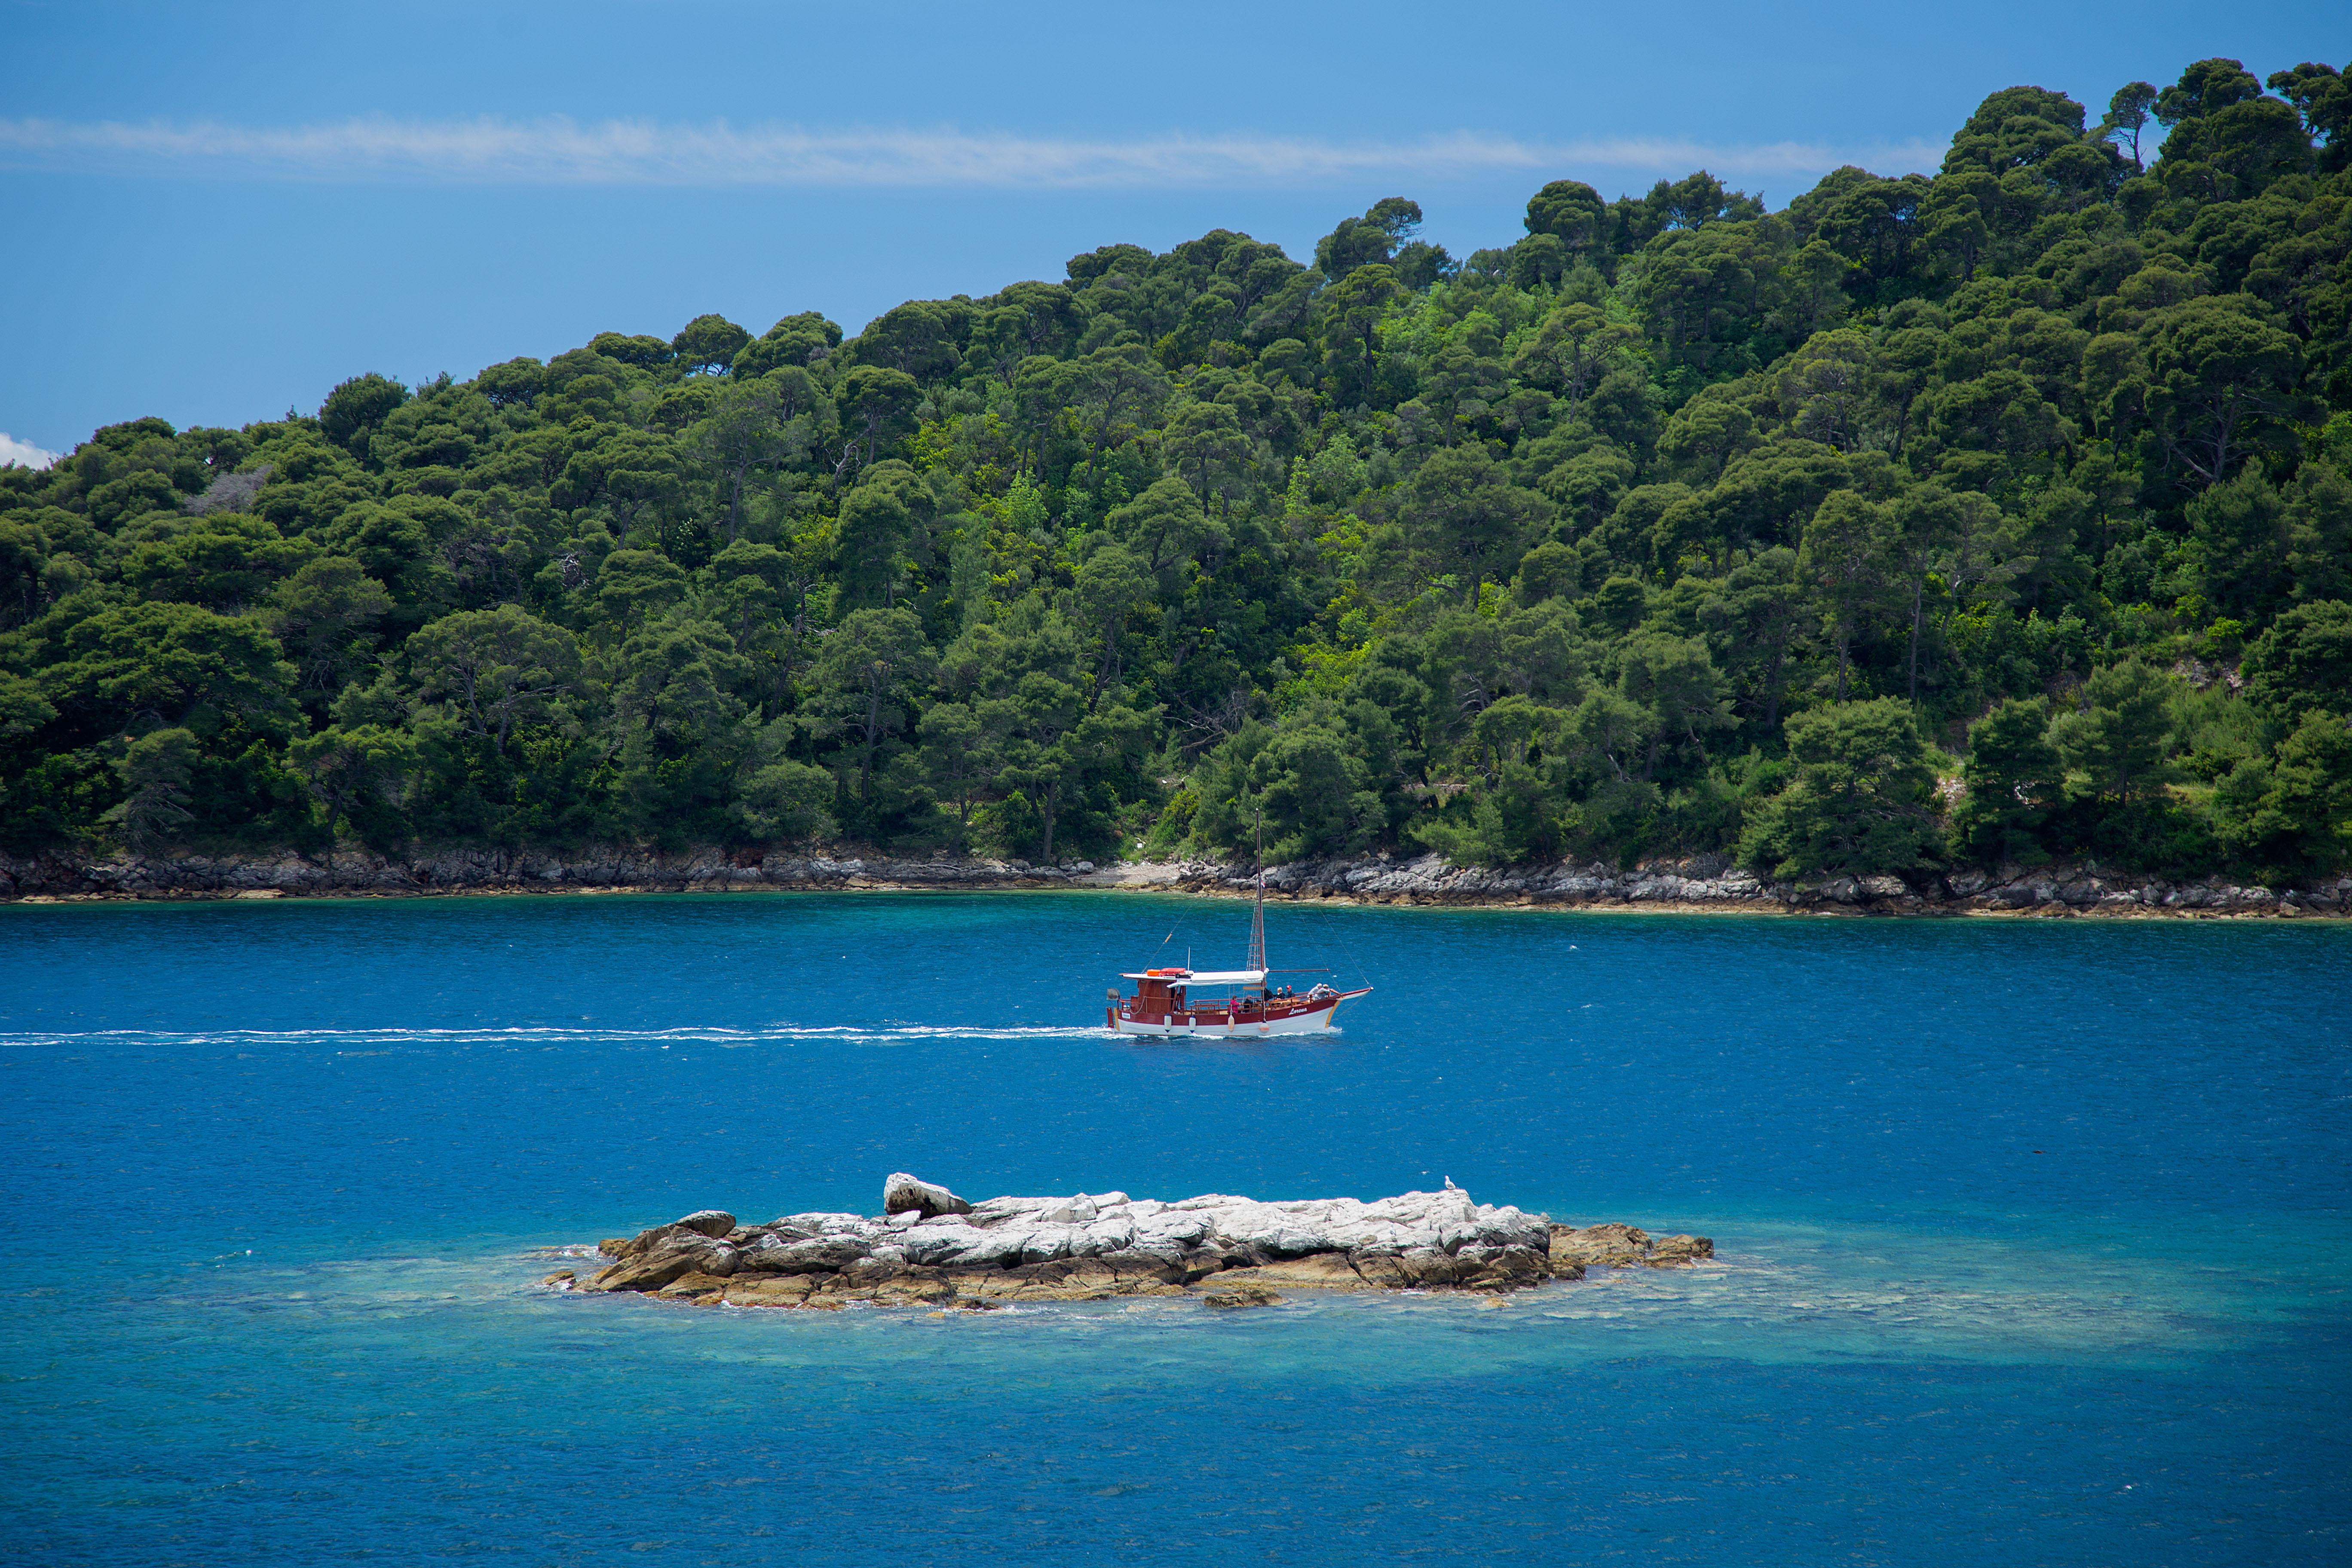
[[2032, 1238]]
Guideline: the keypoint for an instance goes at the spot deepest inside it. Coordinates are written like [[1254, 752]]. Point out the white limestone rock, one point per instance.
[[902, 1192], [1085, 1245], [1011, 1231]]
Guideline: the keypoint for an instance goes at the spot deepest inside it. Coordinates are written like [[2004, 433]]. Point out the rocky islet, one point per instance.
[[932, 1247]]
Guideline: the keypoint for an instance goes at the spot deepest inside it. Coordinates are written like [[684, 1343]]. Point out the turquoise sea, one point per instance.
[[2032, 1238]]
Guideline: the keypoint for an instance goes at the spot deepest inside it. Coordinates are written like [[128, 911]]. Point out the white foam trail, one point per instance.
[[353, 1040]]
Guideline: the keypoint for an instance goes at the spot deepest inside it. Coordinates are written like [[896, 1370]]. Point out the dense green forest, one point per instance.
[[1991, 517]]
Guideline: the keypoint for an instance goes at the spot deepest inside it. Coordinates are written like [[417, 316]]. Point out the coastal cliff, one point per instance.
[[1704, 882], [930, 1246]]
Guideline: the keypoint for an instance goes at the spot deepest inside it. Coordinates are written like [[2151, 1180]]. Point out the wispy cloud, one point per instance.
[[643, 152], [24, 452]]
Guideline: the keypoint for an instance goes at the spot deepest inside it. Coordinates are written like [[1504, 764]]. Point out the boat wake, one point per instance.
[[357, 1041]]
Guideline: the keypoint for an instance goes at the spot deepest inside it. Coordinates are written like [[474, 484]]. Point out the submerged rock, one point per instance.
[[1621, 1247], [936, 1248], [1250, 1297], [1669, 1250]]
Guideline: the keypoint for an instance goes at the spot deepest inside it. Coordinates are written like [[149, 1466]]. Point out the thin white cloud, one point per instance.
[[24, 452], [640, 152]]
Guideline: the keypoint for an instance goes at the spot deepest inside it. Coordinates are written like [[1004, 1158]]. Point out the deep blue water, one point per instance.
[[2031, 1236]]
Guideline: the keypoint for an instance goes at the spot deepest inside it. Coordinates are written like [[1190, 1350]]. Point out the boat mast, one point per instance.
[[1257, 915]]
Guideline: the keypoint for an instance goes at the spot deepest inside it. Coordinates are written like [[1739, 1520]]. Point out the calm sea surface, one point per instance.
[[2033, 1238]]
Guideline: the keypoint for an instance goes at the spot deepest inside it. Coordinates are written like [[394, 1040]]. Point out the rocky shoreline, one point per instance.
[[1700, 883], [930, 1247], [1714, 882]]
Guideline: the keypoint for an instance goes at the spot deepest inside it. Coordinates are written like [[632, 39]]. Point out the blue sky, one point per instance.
[[217, 213]]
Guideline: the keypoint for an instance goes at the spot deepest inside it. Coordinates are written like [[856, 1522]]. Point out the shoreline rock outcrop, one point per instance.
[[924, 1250], [1621, 1247], [1714, 882], [1707, 882]]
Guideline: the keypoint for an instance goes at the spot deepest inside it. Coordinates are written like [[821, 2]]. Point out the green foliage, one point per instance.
[[2115, 743], [357, 407], [1858, 802], [1302, 786], [488, 671], [1670, 527], [787, 799], [155, 769], [2303, 662], [356, 773], [178, 664], [2291, 816], [2015, 781], [325, 616], [708, 343]]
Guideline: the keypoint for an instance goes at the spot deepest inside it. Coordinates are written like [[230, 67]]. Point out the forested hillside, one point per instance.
[[1995, 515]]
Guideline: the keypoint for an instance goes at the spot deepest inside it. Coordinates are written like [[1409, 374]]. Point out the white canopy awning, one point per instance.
[[1208, 977]]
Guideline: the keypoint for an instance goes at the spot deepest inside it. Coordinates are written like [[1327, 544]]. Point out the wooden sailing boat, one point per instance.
[[1168, 1001]]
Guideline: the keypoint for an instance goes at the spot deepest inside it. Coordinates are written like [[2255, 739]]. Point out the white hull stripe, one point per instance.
[[1297, 1024]]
